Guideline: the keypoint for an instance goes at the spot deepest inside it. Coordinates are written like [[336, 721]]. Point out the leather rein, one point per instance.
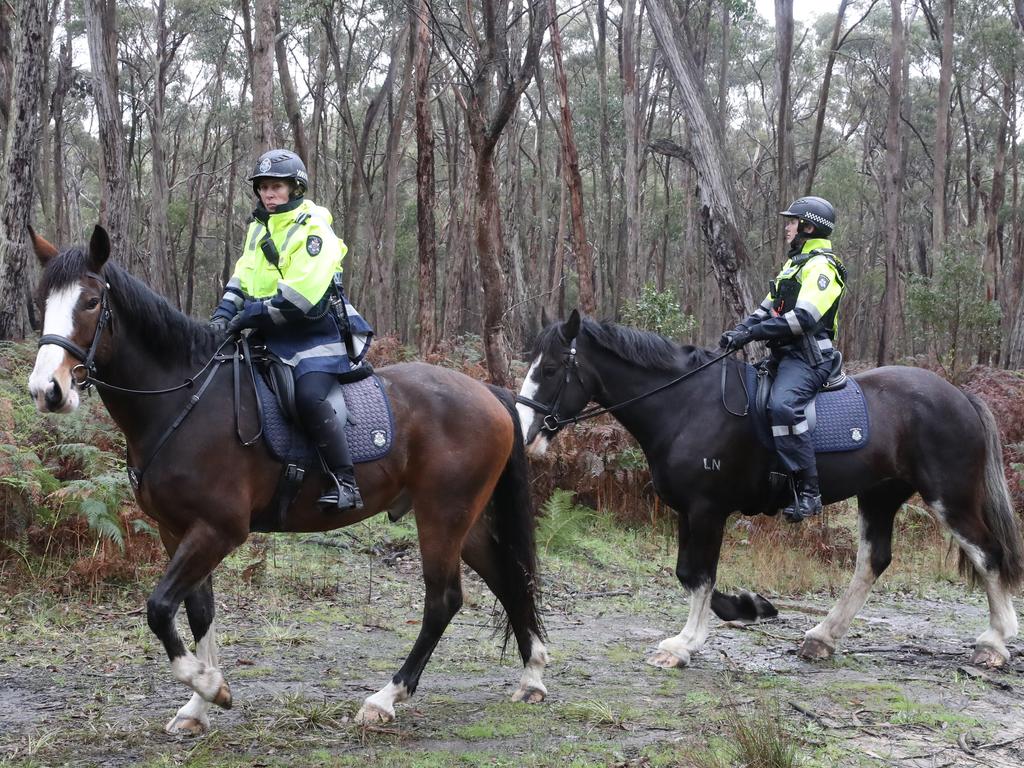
[[84, 376], [553, 422]]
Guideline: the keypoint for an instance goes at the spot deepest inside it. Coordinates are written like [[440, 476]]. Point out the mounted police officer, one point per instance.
[[798, 321], [282, 286]]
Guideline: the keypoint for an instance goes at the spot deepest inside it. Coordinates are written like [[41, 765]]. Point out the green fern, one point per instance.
[[97, 499], [563, 523]]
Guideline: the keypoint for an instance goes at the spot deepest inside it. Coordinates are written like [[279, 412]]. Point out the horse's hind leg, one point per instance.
[[878, 508], [483, 554], [439, 546], [193, 718]]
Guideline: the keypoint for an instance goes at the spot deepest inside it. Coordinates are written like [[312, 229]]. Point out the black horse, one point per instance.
[[456, 459], [928, 437]]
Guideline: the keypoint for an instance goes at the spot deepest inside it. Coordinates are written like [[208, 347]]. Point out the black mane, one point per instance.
[[137, 306], [644, 349]]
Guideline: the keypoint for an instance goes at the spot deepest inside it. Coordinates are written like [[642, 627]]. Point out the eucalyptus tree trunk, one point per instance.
[[101, 27], [826, 85], [571, 169], [263, 76], [487, 114], [892, 192], [426, 240], [291, 101], [65, 72], [714, 185], [16, 210], [942, 131], [6, 76], [783, 64], [992, 267], [631, 161]]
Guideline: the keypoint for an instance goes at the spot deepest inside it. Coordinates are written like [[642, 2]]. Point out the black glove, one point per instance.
[[237, 324], [737, 338], [218, 324]]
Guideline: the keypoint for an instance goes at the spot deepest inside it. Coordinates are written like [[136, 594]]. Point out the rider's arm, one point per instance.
[[819, 290]]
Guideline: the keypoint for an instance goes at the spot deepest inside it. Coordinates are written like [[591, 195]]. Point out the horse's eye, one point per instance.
[[92, 303], [548, 371]]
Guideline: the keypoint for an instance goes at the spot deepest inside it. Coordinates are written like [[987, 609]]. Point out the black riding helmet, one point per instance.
[[280, 164], [814, 210]]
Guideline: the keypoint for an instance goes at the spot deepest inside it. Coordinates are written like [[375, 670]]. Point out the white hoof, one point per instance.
[[186, 725], [371, 714], [990, 656], [669, 660], [531, 694]]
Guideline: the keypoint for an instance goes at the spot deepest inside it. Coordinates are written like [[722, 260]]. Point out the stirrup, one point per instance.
[[343, 497], [803, 506]]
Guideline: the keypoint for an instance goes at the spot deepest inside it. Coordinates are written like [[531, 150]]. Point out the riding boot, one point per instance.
[[806, 498], [328, 432]]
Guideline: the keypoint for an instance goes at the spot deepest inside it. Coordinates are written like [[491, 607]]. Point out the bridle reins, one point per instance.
[[87, 365], [553, 422]]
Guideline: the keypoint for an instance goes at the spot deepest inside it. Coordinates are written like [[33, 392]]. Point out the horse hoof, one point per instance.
[[371, 714], [529, 695], [987, 656], [181, 725], [668, 660], [815, 650], [223, 697]]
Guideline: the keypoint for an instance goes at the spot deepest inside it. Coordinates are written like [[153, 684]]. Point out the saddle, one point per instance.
[[837, 417]]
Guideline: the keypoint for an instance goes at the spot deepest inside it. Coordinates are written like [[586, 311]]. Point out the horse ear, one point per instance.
[[43, 248], [572, 325], [99, 248]]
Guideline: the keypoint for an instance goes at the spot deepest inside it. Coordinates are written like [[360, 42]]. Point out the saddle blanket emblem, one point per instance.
[[370, 428]]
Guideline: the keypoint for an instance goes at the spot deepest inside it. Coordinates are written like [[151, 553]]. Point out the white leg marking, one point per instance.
[[839, 618], [695, 633], [196, 711], [60, 306], [381, 705], [530, 386], [202, 678], [531, 685]]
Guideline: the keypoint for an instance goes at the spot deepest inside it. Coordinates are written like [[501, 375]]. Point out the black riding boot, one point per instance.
[[807, 502], [328, 432]]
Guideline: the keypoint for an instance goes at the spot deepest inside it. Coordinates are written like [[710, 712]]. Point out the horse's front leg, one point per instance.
[[193, 718], [200, 550], [700, 541]]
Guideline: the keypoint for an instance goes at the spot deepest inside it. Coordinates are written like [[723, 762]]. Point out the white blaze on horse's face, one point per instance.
[[51, 383], [529, 419]]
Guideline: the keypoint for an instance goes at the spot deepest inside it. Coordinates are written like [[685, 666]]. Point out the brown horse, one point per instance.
[[457, 461]]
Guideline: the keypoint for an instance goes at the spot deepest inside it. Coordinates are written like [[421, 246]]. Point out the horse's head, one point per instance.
[[555, 387], [72, 298]]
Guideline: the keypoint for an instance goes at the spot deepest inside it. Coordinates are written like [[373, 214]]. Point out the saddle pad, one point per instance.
[[369, 430], [839, 419]]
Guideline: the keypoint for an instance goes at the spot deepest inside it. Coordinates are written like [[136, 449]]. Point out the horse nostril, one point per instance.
[[54, 396]]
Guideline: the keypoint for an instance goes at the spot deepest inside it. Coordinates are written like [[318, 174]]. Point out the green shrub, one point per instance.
[[659, 312]]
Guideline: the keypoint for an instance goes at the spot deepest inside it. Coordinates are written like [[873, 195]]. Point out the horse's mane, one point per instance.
[[644, 349], [152, 318]]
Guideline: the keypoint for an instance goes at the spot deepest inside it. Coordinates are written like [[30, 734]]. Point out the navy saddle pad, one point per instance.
[[838, 419], [370, 427]]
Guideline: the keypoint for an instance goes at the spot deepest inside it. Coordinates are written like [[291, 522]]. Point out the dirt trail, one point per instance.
[[89, 686]]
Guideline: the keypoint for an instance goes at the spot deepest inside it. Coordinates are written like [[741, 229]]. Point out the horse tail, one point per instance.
[[510, 520], [997, 506], [746, 607]]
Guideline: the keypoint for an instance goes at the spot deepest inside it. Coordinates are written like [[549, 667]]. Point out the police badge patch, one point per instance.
[[265, 165], [314, 244], [822, 282]]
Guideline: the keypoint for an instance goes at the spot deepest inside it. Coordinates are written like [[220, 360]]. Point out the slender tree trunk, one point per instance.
[[64, 74], [892, 189], [291, 101], [826, 84], [723, 69], [263, 76], [6, 76], [606, 246], [631, 148], [422, 40], [23, 130], [571, 168], [942, 131], [718, 219], [100, 22], [992, 267], [783, 63]]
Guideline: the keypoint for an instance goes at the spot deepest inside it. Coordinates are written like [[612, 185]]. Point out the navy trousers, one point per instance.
[[796, 383]]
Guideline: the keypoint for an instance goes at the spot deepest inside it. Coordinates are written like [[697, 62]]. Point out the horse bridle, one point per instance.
[[553, 423], [86, 357]]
